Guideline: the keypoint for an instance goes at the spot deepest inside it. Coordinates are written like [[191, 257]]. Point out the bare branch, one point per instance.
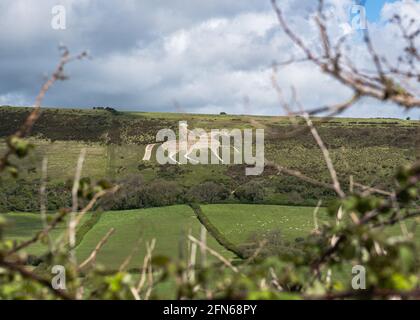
[[43, 200], [213, 253], [92, 257], [147, 268], [327, 157]]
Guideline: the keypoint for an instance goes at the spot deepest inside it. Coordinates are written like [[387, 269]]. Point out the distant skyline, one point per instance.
[[190, 56]]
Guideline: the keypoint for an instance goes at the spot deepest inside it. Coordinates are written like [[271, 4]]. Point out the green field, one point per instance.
[[22, 226], [169, 225]]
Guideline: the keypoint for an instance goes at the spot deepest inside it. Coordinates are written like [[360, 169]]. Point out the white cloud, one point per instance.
[[12, 99], [404, 8], [208, 58]]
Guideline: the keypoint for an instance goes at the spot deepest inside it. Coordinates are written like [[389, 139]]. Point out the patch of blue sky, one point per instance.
[[373, 8]]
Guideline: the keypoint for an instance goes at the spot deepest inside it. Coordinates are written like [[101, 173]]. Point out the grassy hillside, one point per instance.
[[370, 150]]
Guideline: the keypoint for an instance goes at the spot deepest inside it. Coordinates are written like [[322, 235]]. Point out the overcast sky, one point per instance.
[[204, 56]]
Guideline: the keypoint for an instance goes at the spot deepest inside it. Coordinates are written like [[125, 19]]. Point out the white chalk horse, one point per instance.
[[203, 142]]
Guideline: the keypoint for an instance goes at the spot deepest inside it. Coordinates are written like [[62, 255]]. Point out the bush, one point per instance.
[[169, 171], [252, 191], [127, 197], [208, 192], [24, 196], [162, 193], [135, 194], [58, 196]]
